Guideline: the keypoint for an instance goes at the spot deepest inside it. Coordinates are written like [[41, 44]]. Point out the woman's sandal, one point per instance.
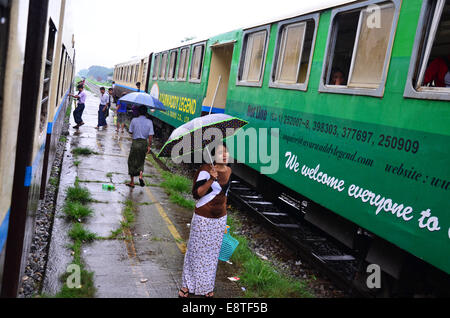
[[130, 185], [183, 294], [141, 182], [210, 295]]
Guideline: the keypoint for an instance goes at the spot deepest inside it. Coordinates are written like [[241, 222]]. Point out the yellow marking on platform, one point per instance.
[[172, 229]]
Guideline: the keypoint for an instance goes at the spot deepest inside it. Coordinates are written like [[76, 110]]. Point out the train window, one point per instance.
[[61, 73], [156, 66], [253, 56], [184, 61], [136, 73], [359, 48], [162, 72], [144, 72], [429, 74], [173, 65], [47, 75], [130, 78], [293, 54], [197, 63]]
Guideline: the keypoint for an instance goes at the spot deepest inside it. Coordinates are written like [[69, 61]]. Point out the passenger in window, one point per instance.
[[438, 73], [338, 78], [138, 85]]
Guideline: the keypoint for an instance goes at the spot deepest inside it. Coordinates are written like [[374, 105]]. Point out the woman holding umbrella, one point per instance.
[[211, 185]]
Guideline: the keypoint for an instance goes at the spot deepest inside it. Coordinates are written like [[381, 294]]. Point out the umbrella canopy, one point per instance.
[[226, 124], [143, 99]]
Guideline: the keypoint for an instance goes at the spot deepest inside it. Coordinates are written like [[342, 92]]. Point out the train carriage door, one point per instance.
[[219, 75]]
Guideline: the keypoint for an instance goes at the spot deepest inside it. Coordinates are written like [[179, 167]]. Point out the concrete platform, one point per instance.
[[148, 266]]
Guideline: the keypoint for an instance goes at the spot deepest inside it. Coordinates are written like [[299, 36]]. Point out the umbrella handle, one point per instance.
[[210, 157]]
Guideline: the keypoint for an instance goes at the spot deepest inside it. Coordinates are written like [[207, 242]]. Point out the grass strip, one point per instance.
[[259, 277], [83, 152], [177, 187], [128, 220], [77, 199]]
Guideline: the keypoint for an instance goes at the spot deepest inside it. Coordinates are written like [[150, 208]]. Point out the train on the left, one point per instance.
[[37, 64]]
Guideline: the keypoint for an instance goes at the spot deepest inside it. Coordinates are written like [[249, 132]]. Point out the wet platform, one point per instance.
[[150, 264]]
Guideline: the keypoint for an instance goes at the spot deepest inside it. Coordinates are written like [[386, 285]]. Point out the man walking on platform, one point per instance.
[[78, 112], [104, 100], [142, 130]]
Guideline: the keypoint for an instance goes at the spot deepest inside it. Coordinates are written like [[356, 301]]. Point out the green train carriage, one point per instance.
[[371, 153]]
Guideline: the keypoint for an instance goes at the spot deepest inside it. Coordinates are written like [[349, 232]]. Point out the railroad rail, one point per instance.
[[312, 245]]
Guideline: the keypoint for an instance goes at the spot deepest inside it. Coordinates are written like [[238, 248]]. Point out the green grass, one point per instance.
[[175, 182], [259, 277], [83, 152], [77, 211], [129, 219], [78, 233], [176, 187], [78, 194]]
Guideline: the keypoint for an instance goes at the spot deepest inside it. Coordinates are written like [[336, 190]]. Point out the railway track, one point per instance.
[[312, 245]]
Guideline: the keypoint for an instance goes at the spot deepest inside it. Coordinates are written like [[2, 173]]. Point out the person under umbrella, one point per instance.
[[142, 130], [211, 186]]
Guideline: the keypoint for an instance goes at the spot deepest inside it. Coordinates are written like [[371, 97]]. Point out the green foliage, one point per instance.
[[77, 211], [78, 233], [259, 277], [176, 182], [78, 194], [83, 152]]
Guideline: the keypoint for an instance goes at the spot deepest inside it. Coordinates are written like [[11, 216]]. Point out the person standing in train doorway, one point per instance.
[[142, 130], [104, 100], [78, 112], [211, 187]]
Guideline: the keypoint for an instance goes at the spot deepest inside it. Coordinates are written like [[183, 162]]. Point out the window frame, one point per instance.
[[298, 86], [328, 56], [175, 66], [442, 94], [188, 48], [157, 58], [245, 35], [160, 66], [191, 59]]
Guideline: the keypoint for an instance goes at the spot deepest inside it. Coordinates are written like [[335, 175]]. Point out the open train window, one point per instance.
[[198, 54], [162, 71], [173, 65], [47, 76], [293, 54], [156, 66], [429, 73], [184, 61], [359, 47], [253, 56]]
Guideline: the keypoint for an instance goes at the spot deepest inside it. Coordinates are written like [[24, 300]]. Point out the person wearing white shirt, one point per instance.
[[104, 100]]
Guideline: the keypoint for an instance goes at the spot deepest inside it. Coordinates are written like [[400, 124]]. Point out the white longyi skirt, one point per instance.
[[202, 255]]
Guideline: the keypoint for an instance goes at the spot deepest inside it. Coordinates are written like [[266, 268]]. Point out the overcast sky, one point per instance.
[[108, 32]]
